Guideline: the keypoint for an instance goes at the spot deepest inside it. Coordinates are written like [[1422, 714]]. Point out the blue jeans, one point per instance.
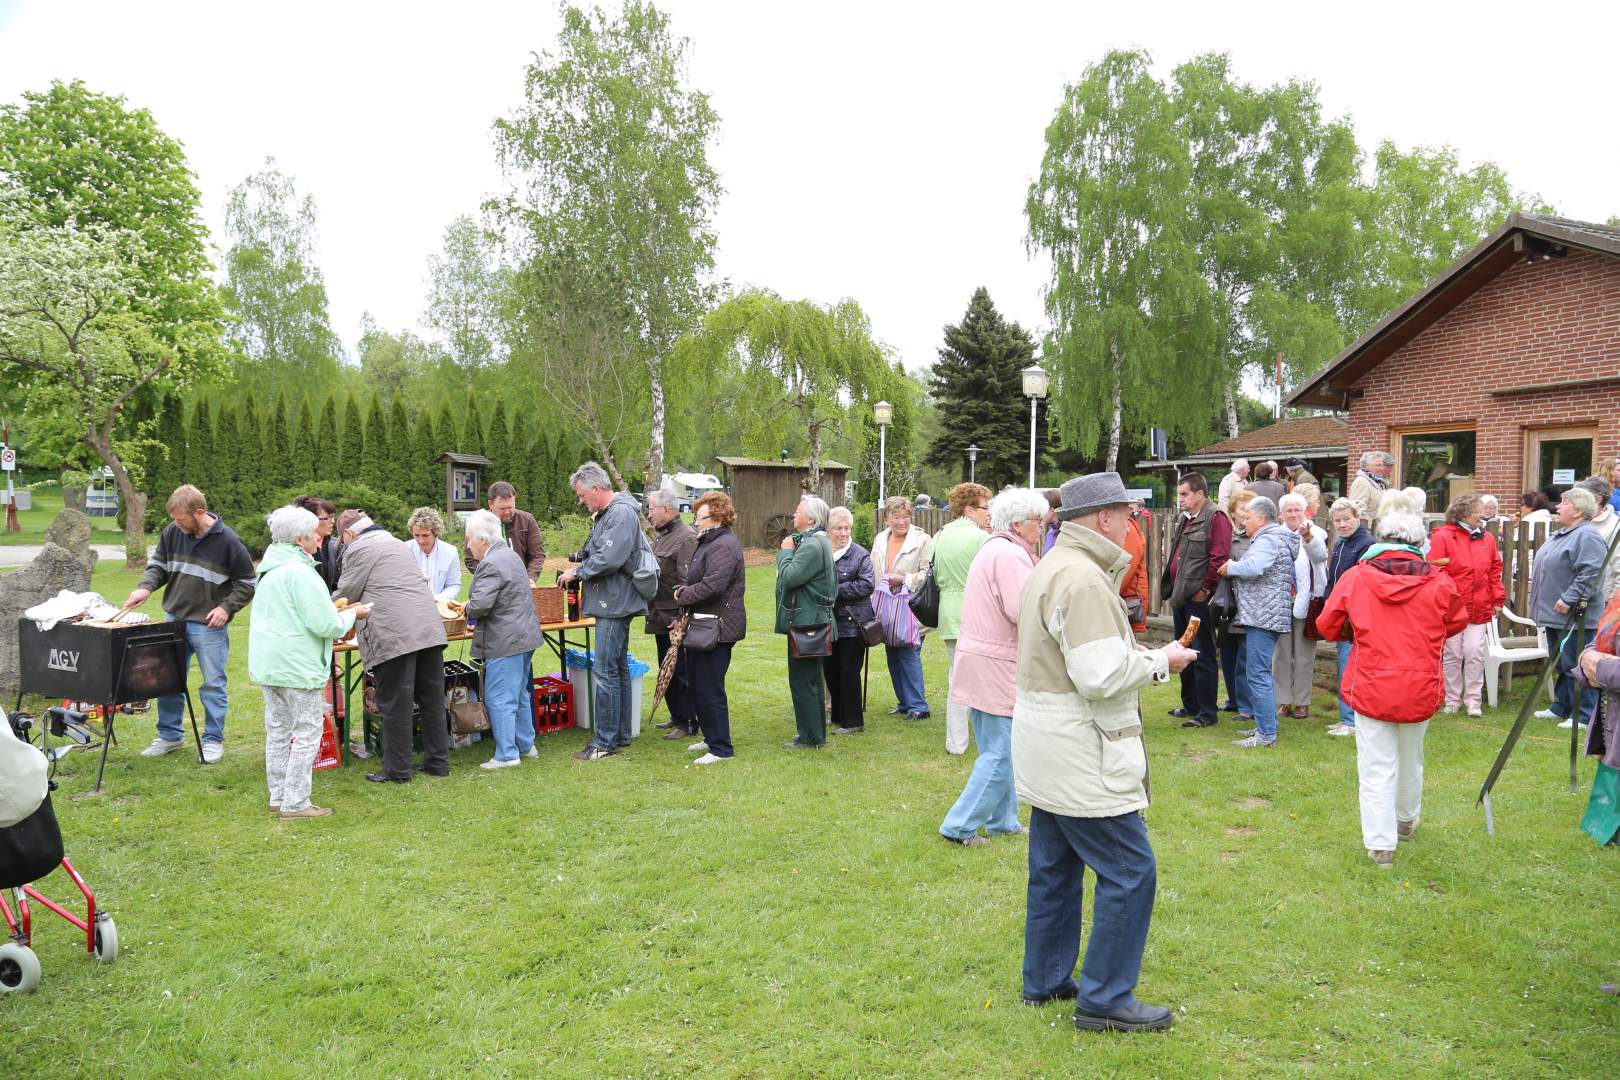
[[1257, 655], [905, 672], [508, 697], [989, 798], [610, 673], [1237, 675], [1570, 682], [1347, 715], [211, 648], [1117, 851]]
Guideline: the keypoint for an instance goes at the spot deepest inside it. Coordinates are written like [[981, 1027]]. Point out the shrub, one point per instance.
[[385, 510], [862, 530]]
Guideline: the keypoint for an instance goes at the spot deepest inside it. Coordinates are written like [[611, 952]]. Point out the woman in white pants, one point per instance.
[[1470, 556], [290, 656], [1399, 609], [1294, 663]]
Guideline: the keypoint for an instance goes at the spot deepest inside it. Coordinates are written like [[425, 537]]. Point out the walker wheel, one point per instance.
[[19, 968], [106, 940]]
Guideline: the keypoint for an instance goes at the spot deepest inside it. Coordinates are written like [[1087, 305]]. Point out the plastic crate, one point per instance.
[[553, 704]]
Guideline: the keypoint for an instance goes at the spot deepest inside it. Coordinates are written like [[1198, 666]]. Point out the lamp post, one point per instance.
[[1035, 383], [882, 413], [973, 460]]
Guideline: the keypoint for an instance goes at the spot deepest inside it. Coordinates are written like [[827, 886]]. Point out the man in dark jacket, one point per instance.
[[518, 529], [207, 577], [674, 541], [612, 552], [1199, 547]]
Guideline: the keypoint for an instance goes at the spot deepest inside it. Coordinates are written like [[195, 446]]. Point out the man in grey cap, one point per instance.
[[1079, 761]]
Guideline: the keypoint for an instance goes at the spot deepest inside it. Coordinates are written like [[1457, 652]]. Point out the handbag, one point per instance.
[[900, 627], [872, 632], [925, 601], [702, 633], [810, 642], [468, 716]]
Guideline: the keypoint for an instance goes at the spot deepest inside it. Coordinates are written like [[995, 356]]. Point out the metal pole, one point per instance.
[[971, 468], [883, 451], [1032, 402]]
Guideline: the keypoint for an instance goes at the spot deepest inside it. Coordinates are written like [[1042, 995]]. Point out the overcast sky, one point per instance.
[[879, 151]]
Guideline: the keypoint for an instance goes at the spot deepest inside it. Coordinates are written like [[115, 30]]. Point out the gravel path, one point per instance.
[[16, 556]]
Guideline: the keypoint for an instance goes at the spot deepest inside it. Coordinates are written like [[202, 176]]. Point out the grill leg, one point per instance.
[[195, 734], [107, 714]]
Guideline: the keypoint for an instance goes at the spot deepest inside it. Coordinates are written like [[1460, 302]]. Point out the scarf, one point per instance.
[[1378, 481]]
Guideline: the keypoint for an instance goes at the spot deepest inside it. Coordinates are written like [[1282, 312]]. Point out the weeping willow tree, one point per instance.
[[798, 364], [1109, 209]]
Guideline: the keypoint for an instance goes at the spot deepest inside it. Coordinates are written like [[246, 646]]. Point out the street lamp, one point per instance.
[[883, 413], [973, 459], [1035, 382]]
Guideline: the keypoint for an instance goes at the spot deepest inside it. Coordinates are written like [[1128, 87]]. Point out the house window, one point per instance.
[[1558, 457], [1439, 462]]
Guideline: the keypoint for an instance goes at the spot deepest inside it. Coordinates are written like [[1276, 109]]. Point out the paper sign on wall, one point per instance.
[[1563, 476]]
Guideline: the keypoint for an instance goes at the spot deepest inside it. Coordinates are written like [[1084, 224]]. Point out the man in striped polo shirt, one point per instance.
[[207, 576]]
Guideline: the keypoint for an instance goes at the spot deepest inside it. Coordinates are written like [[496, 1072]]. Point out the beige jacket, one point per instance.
[[1077, 727], [916, 553]]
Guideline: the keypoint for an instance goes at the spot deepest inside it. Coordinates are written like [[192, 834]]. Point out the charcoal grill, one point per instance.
[[106, 664]]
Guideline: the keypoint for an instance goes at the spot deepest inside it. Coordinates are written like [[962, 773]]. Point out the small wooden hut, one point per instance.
[[766, 492]]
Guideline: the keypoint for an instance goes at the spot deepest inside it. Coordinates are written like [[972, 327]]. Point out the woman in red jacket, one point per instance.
[[1400, 610], [1470, 556]]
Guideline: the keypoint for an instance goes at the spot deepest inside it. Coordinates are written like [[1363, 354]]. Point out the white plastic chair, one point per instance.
[[1500, 652]]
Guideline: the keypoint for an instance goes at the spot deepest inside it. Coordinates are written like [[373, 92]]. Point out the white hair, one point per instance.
[[1402, 526], [1014, 505], [816, 507], [1418, 497], [1264, 507], [1490, 499], [1344, 506], [1584, 502], [482, 525], [661, 497], [1240, 464], [591, 475], [1293, 498], [290, 524], [840, 514]]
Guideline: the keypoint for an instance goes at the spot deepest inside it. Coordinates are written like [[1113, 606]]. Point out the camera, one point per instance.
[[576, 556]]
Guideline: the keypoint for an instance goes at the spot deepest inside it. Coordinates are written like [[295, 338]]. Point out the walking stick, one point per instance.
[[1574, 623], [866, 658]]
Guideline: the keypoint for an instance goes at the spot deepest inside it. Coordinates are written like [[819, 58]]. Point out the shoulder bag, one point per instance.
[[925, 601], [809, 642], [702, 633]]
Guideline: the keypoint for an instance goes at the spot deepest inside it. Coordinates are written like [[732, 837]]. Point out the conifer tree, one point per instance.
[[427, 479], [449, 435], [227, 457], [374, 473], [280, 473], [498, 446], [518, 470], [305, 452], [401, 476], [250, 490], [977, 385], [326, 455], [202, 465], [169, 469], [352, 459], [472, 436]]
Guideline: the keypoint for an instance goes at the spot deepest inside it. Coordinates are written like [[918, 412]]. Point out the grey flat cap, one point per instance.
[[1085, 494]]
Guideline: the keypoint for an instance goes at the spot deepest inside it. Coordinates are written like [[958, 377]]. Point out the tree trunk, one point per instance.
[[814, 479], [604, 452], [134, 503], [1232, 431], [1116, 406], [655, 446]]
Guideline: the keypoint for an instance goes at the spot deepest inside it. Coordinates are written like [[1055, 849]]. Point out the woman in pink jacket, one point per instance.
[[985, 671]]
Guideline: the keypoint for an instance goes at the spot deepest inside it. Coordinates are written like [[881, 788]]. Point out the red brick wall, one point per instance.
[[1535, 323]]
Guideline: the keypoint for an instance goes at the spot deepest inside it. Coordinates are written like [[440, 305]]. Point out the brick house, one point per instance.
[[1501, 376]]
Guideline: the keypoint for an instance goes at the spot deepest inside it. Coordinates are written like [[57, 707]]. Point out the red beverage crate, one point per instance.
[[553, 704]]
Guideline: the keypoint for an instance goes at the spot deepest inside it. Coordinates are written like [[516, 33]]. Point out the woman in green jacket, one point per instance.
[[290, 655], [806, 589], [954, 548]]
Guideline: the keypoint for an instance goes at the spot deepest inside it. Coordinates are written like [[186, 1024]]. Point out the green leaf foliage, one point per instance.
[[385, 509], [977, 385]]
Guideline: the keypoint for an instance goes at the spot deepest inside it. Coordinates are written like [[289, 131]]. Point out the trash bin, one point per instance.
[[579, 669], [579, 677]]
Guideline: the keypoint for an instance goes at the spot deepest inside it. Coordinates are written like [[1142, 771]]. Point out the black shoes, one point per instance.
[[897, 711], [797, 745], [920, 714], [1179, 713], [1201, 721], [1133, 1017], [1067, 993], [1229, 706], [384, 778], [441, 773]]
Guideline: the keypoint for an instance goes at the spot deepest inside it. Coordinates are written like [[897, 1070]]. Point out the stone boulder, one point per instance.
[[54, 569], [71, 530]]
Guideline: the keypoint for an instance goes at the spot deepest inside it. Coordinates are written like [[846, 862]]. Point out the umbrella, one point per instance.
[[666, 670]]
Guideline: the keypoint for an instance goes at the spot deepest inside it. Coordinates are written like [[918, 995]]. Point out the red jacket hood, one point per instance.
[[1399, 576]]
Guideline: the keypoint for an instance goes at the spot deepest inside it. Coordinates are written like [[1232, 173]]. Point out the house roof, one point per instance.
[[827, 464], [1302, 437], [1521, 237], [462, 459]]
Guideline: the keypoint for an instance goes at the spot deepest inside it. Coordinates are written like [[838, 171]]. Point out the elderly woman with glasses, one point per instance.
[[954, 549], [853, 566], [901, 554], [1566, 576], [436, 559], [505, 635], [713, 589], [985, 670], [290, 656], [329, 556]]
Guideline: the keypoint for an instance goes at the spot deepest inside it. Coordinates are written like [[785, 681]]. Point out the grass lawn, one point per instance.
[[797, 915], [47, 504]]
